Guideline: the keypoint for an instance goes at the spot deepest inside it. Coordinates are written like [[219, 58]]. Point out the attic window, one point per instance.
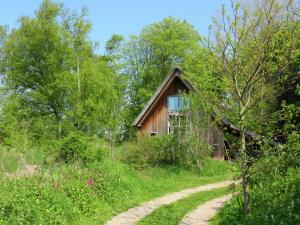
[[177, 103]]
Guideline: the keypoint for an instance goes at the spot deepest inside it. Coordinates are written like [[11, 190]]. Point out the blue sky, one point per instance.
[[123, 17]]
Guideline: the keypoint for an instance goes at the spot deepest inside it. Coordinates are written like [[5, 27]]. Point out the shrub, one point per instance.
[[275, 189], [148, 151], [158, 150], [273, 203], [72, 148], [87, 150]]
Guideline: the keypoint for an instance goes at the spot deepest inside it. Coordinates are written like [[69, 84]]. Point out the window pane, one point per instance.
[[177, 103], [173, 103], [184, 102]]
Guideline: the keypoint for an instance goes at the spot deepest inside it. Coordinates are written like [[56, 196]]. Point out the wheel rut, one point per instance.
[[133, 215]]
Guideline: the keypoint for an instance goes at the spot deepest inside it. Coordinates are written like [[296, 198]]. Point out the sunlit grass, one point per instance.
[[172, 214]]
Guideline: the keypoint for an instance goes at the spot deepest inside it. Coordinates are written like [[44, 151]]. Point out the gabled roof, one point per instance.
[[176, 72], [223, 122]]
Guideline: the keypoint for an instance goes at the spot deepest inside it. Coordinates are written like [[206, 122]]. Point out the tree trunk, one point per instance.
[[244, 165], [112, 151], [59, 129], [112, 142], [58, 119], [78, 93], [246, 196], [78, 77]]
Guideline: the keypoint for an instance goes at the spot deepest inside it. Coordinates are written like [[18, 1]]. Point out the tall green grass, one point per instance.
[[86, 192], [77, 194], [11, 161]]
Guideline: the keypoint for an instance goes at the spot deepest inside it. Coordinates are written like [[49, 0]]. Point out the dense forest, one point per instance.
[[69, 153]]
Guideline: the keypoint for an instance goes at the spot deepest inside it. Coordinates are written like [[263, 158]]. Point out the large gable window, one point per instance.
[[177, 103]]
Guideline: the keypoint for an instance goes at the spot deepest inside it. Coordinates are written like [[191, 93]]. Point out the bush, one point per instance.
[[274, 192], [72, 148], [150, 151], [87, 150], [273, 203], [157, 151], [97, 151]]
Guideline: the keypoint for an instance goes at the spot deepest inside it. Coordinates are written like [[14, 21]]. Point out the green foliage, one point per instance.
[[73, 148], [145, 59], [97, 151], [80, 148], [275, 186], [30, 202], [168, 150], [70, 194], [275, 201], [149, 151], [53, 82], [39, 59]]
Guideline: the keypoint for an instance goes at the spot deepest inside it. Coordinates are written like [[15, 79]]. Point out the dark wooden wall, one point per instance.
[[217, 142]]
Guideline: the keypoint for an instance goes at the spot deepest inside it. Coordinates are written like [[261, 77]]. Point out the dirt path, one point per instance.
[[204, 212], [133, 215]]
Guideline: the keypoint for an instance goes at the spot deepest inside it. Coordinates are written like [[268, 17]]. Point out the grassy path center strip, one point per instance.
[[172, 214], [134, 215]]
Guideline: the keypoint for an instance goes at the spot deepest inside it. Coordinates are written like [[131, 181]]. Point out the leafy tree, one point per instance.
[[113, 45], [3, 35], [37, 61], [192, 131], [147, 58], [51, 72], [243, 48]]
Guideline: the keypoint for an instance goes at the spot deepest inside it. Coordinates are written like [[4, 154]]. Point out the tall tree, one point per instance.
[[242, 44], [147, 58], [37, 59], [3, 35], [52, 71], [82, 49]]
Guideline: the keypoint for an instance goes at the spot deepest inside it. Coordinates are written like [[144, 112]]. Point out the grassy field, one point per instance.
[[89, 194], [173, 213]]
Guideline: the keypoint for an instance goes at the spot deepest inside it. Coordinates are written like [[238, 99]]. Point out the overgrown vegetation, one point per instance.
[[275, 184], [68, 152], [77, 194]]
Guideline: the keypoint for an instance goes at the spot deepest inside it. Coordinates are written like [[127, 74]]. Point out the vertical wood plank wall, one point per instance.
[[157, 121]]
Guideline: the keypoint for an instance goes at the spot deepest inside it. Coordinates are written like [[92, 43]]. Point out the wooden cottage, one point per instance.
[[154, 119]]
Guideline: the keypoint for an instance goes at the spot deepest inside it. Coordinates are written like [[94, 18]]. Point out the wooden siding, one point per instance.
[[218, 143], [157, 120]]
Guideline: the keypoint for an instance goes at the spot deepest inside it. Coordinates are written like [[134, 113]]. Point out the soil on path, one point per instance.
[[204, 212], [133, 215]]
